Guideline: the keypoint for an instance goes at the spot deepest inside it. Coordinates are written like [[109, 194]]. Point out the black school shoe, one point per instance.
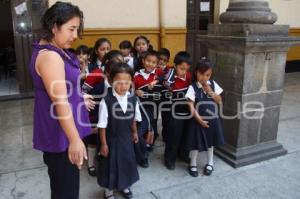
[[127, 194], [193, 173], [144, 163], [208, 171], [169, 165], [92, 171], [150, 148]]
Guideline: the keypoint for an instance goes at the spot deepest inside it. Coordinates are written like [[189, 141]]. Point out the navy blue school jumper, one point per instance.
[[179, 117], [94, 65], [137, 63], [119, 169], [94, 85], [198, 137]]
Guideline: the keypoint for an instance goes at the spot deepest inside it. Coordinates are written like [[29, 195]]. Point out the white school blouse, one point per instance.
[[191, 95], [123, 100], [129, 61]]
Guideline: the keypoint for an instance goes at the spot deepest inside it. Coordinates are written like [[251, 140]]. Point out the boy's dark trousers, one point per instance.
[[165, 118], [64, 176], [140, 148], [175, 139]]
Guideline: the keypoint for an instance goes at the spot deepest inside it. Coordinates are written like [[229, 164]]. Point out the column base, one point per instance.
[[249, 155]]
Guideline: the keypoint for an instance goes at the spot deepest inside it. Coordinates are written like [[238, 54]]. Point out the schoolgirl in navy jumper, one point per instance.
[[96, 84], [148, 85], [102, 46], [118, 114], [178, 81], [141, 45], [205, 129], [165, 103]]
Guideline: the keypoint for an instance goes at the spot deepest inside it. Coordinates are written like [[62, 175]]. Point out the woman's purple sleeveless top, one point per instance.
[[48, 136]]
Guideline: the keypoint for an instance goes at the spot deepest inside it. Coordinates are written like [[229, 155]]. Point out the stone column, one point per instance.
[[249, 54]]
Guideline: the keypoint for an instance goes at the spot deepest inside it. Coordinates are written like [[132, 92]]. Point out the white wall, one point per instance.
[[174, 13], [287, 11], [131, 13]]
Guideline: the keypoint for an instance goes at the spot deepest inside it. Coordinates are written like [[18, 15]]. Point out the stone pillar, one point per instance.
[[249, 53]]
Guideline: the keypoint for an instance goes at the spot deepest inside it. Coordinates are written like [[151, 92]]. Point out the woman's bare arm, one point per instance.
[[50, 67]]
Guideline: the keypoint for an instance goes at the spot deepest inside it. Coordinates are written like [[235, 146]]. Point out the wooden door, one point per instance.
[[200, 13]]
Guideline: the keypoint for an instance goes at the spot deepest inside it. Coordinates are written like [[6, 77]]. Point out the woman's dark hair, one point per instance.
[[165, 52], [98, 43], [120, 68], [59, 14], [125, 45], [111, 56], [182, 57], [202, 66], [82, 49]]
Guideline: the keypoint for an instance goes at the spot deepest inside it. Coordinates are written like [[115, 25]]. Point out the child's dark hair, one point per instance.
[[82, 49], [120, 68], [182, 57], [165, 52], [202, 66], [59, 14], [91, 49], [143, 38], [111, 56], [125, 45], [98, 43], [149, 53]]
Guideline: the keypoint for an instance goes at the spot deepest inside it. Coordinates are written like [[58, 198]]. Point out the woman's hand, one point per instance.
[[95, 131], [139, 93], [135, 137], [89, 102], [104, 150], [77, 152]]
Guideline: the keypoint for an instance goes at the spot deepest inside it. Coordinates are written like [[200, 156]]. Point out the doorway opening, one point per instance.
[[8, 68]]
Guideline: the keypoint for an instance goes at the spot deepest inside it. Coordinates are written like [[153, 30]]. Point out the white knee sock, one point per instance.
[[210, 156], [193, 156], [91, 155]]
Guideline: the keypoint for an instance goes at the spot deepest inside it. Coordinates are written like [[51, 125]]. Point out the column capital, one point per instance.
[[248, 12]]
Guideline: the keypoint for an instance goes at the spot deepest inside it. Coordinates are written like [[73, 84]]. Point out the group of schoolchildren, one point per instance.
[[132, 87]]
